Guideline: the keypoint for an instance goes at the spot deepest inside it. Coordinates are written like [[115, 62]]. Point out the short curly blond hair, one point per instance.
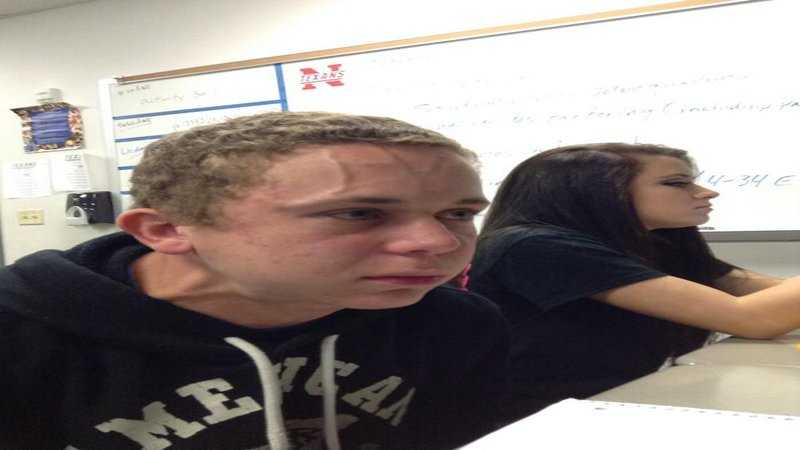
[[185, 174]]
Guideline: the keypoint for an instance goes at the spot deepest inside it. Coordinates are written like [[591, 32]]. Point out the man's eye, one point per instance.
[[356, 214], [459, 214]]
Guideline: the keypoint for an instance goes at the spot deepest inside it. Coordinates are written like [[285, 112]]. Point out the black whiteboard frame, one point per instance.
[[751, 236]]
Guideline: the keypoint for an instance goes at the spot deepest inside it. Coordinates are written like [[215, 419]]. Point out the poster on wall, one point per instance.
[[51, 126]]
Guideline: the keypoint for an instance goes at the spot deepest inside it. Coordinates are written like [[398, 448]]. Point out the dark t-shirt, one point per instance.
[[564, 343]]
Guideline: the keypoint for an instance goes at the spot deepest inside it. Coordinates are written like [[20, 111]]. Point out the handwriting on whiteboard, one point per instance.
[[751, 180]]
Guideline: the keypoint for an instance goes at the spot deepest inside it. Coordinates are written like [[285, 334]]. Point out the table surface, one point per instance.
[[759, 389], [779, 352]]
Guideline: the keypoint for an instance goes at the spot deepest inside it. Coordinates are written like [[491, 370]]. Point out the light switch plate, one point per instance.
[[30, 216]]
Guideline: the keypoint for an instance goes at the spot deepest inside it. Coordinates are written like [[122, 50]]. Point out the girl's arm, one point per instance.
[[742, 282], [759, 307]]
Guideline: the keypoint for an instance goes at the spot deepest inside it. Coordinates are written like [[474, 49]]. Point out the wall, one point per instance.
[[73, 47]]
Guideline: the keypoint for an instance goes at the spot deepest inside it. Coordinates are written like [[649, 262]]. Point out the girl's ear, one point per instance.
[[153, 229]]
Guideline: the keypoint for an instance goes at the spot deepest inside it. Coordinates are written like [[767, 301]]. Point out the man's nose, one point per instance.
[[427, 235]]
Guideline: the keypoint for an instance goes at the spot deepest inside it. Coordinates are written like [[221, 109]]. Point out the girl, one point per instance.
[[594, 255]]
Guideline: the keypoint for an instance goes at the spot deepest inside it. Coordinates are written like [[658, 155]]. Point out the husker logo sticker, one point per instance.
[[332, 77]]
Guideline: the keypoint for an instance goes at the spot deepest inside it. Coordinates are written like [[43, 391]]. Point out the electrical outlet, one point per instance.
[[30, 216]]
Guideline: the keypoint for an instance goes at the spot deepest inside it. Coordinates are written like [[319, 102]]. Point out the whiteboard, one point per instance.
[[719, 82]]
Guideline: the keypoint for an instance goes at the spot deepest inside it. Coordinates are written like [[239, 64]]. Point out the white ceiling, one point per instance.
[[20, 7]]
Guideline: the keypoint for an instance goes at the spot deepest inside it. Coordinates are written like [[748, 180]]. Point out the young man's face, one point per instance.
[[347, 226]]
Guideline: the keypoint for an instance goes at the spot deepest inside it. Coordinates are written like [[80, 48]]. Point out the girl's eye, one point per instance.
[[677, 183], [356, 214], [459, 214]]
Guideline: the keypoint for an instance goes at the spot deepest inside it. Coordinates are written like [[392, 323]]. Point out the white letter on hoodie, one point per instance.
[[156, 421], [201, 391], [288, 370], [369, 399], [314, 383]]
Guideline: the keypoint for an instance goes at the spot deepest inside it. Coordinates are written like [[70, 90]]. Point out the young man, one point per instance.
[[278, 286]]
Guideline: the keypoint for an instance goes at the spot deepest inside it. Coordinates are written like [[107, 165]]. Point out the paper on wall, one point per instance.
[[70, 172], [26, 179]]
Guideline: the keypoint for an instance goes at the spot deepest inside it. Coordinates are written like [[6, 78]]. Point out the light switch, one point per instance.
[[30, 216]]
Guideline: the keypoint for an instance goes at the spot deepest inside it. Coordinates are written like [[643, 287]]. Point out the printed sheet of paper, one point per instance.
[[70, 172], [587, 424], [26, 179]]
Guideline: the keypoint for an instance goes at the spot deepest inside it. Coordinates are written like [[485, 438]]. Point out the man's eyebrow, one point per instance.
[[391, 200], [473, 200], [386, 201], [370, 200]]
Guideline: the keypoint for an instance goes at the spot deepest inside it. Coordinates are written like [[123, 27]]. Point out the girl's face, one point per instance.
[[665, 195]]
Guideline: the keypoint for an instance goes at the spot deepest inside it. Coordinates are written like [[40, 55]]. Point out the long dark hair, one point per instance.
[[586, 188]]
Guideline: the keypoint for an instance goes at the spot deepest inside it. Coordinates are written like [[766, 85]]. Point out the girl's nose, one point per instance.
[[703, 192]]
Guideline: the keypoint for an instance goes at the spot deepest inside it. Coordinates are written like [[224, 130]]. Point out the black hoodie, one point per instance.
[[88, 362]]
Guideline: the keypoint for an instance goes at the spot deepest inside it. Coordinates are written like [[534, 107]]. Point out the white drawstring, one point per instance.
[[273, 396], [274, 426], [329, 392]]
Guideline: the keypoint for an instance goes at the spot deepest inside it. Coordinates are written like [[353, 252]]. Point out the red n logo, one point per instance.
[[332, 77]]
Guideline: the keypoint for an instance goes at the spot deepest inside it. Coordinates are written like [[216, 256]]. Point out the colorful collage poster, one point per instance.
[[51, 126]]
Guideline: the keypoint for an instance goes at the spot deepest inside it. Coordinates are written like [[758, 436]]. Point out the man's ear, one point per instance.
[[155, 230]]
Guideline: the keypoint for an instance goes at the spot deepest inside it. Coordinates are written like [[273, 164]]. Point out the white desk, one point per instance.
[[759, 389], [778, 352]]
